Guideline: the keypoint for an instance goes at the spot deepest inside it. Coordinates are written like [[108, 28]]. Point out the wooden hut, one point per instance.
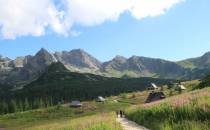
[[75, 104]]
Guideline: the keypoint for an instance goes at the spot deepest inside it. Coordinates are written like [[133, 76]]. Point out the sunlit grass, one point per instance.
[[190, 111], [95, 122], [65, 115]]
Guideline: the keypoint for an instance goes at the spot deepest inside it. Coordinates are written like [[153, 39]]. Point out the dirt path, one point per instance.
[[129, 125]]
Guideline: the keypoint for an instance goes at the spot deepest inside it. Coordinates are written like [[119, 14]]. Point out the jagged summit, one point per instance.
[[2, 58], [42, 51], [78, 58], [119, 58], [207, 54]]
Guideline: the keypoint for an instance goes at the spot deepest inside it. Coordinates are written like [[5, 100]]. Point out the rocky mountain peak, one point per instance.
[[80, 52], [134, 59], [3, 59], [78, 58], [42, 52], [206, 55], [119, 58]]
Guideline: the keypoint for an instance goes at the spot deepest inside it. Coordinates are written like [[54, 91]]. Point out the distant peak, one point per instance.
[[207, 54], [42, 51], [4, 58], [118, 57], [78, 50], [134, 57]]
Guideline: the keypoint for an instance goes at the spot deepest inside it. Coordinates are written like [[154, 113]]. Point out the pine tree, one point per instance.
[[26, 105], [5, 107], [20, 106], [41, 103], [13, 106]]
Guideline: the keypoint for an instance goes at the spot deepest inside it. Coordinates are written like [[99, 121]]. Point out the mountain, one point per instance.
[[144, 67], [40, 61], [4, 63], [116, 64], [199, 67], [199, 62], [5, 68], [23, 70], [78, 60]]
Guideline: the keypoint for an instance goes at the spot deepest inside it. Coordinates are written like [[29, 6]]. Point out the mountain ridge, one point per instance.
[[27, 68]]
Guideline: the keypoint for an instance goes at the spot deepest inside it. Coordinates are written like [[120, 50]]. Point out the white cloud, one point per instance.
[[150, 8], [34, 17], [28, 17]]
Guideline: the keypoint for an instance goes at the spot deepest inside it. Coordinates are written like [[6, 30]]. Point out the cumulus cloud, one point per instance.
[[34, 17], [28, 17]]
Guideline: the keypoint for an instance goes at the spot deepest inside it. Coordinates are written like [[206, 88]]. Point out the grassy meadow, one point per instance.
[[92, 116], [104, 121], [189, 111]]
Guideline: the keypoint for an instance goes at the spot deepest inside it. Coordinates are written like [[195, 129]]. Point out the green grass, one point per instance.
[[104, 121], [33, 118], [187, 64], [185, 112]]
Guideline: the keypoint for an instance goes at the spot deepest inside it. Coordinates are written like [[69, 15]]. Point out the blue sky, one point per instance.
[[183, 31]]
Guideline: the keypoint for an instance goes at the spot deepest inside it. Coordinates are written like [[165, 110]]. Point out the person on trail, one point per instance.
[[121, 113]]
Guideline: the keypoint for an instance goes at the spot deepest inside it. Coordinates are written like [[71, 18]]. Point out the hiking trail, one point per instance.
[[130, 125]]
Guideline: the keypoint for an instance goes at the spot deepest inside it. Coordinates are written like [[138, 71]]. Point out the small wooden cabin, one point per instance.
[[155, 96], [75, 104], [152, 87], [100, 99], [180, 87]]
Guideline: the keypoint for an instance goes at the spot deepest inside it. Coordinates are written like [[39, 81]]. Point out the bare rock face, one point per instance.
[[26, 69], [5, 64], [118, 63], [78, 59], [41, 60], [5, 68], [20, 62]]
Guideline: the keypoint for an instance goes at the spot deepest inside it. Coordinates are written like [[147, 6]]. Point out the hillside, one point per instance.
[[200, 66], [136, 66], [199, 62], [188, 111], [58, 83]]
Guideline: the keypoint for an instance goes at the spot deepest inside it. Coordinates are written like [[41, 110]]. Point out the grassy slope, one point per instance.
[[49, 117], [104, 121], [60, 84], [189, 111], [186, 64]]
